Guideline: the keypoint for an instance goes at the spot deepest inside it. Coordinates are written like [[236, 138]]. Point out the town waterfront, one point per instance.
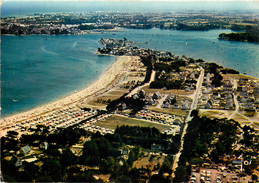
[[37, 69]]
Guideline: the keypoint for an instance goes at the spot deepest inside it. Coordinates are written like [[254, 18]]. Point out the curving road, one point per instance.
[[135, 90]]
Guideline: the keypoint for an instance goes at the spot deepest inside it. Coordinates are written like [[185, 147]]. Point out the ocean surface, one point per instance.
[[36, 70]]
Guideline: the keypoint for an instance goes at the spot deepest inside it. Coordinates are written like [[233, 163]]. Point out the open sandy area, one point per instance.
[[106, 82]]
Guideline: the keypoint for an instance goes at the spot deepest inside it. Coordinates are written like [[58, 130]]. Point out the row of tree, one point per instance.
[[201, 132]]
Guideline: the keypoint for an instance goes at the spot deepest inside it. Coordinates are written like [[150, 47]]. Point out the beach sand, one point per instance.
[[104, 83]]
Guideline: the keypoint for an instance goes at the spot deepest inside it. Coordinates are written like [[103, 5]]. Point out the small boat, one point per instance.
[[15, 100]]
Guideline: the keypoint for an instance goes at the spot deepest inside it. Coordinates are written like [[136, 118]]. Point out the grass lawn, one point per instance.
[[103, 97], [182, 98], [240, 118], [238, 76], [113, 121], [212, 113], [104, 177], [117, 92], [112, 95], [256, 125], [175, 92], [145, 162], [177, 112]]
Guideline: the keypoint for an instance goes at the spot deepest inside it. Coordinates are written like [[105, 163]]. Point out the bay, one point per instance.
[[36, 70]]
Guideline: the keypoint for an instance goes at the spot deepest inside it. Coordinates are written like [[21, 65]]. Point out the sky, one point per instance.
[[255, 1], [19, 8]]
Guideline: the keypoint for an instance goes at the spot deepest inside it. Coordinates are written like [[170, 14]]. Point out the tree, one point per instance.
[[106, 165], [216, 80], [52, 152], [9, 171], [134, 174], [52, 167], [166, 167], [136, 151], [181, 174], [67, 158], [91, 153], [123, 178], [104, 147], [12, 133], [131, 158], [159, 178], [33, 171], [194, 113]]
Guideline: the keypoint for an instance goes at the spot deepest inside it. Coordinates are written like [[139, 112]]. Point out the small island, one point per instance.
[[251, 34]]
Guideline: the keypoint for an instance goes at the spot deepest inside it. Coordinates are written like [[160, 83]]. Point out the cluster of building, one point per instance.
[[49, 28], [248, 94], [88, 125], [217, 97], [246, 91], [27, 154], [230, 167], [160, 117], [121, 47], [74, 23], [218, 176]]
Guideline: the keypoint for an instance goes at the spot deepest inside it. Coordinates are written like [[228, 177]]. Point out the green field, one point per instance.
[[177, 112], [112, 95], [238, 76], [174, 91], [213, 113], [256, 125], [113, 121], [103, 97]]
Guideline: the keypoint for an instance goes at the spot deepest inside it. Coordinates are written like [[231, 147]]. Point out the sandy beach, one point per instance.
[[105, 82]]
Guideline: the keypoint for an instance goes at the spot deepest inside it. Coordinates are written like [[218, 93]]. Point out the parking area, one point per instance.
[[218, 176]]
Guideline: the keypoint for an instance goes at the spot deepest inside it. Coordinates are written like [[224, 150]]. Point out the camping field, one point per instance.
[[115, 120]]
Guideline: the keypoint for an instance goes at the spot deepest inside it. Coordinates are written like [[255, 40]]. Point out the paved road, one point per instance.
[[237, 106], [152, 78], [193, 106], [160, 103]]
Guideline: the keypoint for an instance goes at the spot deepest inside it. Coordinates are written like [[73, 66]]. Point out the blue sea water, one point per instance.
[[36, 70]]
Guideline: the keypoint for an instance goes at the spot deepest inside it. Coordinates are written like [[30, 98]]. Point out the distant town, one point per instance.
[[85, 23]]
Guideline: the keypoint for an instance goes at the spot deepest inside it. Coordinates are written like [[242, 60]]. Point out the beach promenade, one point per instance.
[[104, 83]]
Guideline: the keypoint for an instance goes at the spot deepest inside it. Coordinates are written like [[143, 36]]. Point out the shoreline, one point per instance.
[[95, 31], [105, 81]]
